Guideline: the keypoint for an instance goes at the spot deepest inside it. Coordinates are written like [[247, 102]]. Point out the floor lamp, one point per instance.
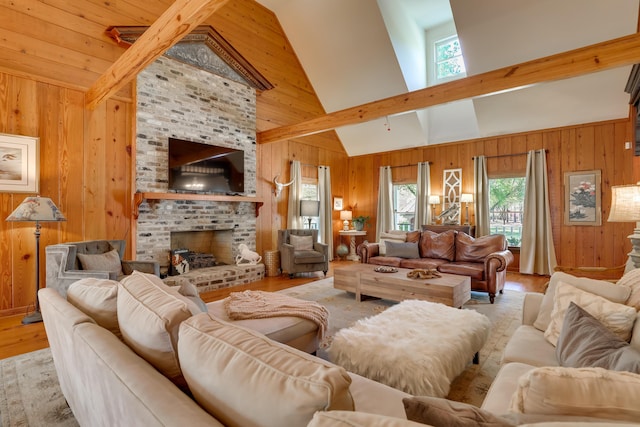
[[37, 209], [433, 201], [625, 207], [310, 209]]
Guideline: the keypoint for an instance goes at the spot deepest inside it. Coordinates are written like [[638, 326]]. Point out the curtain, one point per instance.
[[294, 220], [481, 196], [537, 254], [384, 220], [326, 208], [423, 213]]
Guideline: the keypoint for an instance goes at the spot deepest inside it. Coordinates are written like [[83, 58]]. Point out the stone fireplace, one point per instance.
[[178, 100], [205, 248]]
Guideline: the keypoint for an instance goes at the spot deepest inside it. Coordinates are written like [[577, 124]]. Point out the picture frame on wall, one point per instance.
[[582, 198], [19, 163], [337, 204]]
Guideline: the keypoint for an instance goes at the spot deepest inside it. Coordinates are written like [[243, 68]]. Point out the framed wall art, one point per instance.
[[337, 204], [19, 163], [582, 194], [451, 190]]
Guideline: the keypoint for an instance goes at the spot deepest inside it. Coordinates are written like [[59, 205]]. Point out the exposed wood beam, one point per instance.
[[598, 57], [176, 22]]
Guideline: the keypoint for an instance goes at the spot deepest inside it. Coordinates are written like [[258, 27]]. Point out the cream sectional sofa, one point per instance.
[[166, 362]]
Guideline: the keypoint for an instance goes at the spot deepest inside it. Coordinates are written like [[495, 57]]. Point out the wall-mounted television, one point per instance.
[[195, 167]]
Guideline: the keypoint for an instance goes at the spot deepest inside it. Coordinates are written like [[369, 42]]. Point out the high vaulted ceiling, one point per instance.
[[358, 51]]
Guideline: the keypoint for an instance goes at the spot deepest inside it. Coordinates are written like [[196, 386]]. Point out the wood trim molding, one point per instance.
[[610, 54], [125, 36]]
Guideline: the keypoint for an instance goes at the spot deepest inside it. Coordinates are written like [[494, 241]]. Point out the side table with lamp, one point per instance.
[[36, 209]]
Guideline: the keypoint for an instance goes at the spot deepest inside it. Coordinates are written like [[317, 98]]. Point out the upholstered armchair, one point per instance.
[[101, 259], [300, 252]]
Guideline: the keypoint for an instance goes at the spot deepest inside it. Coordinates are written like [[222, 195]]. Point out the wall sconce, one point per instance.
[[309, 208], [625, 207], [345, 216], [434, 200], [466, 198]]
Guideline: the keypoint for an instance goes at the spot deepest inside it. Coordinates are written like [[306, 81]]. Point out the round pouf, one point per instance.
[[272, 263], [342, 250]]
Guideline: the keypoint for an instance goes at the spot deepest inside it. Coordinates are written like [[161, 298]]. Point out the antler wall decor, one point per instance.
[[279, 186]]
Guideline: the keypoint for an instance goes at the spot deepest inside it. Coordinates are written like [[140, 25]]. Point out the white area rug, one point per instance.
[[418, 347]]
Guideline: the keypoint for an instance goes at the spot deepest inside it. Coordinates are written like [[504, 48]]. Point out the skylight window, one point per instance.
[[448, 59]]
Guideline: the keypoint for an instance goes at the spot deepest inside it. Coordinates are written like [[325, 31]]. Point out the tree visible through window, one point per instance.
[[449, 61], [404, 206], [506, 204]]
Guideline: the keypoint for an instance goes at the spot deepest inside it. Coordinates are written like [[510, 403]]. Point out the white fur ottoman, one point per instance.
[[418, 347]]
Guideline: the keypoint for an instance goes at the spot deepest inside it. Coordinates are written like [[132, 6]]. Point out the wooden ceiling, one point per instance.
[[66, 43]]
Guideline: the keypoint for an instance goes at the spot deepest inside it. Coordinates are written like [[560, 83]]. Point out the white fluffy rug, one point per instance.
[[415, 346]]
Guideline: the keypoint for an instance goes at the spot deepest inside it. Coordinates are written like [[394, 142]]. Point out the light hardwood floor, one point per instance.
[[16, 338]]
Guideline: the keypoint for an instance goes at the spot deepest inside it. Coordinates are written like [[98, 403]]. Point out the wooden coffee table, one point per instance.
[[450, 289]]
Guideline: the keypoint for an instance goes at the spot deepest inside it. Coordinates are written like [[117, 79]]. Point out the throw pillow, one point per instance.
[[149, 317], [585, 342], [442, 412], [301, 243], [108, 261], [402, 250], [190, 291], [227, 366], [618, 318], [596, 392], [392, 235], [357, 419], [608, 290], [469, 249], [98, 299], [413, 236], [438, 245], [631, 280]]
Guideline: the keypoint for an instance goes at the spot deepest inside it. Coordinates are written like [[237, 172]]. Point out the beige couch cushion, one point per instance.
[[618, 318], [149, 317], [358, 419], [228, 367], [631, 280], [390, 236], [98, 299], [593, 392], [608, 290]]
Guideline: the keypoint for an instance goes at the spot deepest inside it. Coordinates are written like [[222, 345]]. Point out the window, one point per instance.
[[448, 58], [404, 206], [506, 203], [310, 192]]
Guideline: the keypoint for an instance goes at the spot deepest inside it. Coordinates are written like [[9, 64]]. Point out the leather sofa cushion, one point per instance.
[[426, 263], [413, 236], [476, 250], [229, 367], [438, 245], [386, 260], [475, 270]]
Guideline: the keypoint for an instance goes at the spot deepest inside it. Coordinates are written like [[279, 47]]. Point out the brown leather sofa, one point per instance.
[[484, 259]]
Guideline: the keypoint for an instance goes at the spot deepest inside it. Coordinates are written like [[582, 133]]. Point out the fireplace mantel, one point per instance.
[[139, 197]]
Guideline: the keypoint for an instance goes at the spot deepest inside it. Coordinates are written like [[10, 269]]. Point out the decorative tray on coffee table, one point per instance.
[[385, 269]]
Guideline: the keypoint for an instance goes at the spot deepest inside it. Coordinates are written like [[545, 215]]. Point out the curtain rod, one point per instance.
[[507, 155], [406, 166]]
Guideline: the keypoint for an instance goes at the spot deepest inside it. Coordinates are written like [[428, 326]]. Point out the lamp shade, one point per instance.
[[625, 203], [345, 215], [466, 198], [37, 209], [434, 199], [309, 208]]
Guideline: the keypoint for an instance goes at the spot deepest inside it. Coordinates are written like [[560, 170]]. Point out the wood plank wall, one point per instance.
[[583, 147], [85, 168]]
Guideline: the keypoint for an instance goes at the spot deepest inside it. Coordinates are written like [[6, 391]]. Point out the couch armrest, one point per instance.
[[152, 267], [498, 261], [531, 307], [367, 250]]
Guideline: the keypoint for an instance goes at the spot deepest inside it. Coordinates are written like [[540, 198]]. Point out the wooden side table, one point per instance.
[[353, 256]]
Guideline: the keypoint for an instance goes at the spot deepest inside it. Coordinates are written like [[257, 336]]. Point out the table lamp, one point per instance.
[[625, 207], [466, 198], [434, 200], [38, 209], [345, 216], [309, 208]]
